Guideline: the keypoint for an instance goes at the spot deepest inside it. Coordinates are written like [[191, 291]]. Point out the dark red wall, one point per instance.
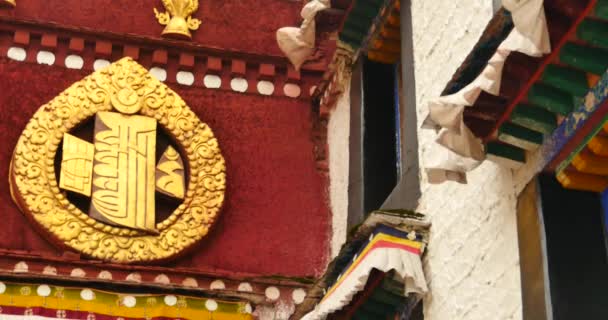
[[275, 219], [246, 26]]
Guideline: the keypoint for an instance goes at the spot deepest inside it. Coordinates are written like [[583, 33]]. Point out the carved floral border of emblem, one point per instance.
[[35, 189]]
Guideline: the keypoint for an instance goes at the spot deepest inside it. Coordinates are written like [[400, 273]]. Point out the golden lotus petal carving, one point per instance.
[[127, 87]]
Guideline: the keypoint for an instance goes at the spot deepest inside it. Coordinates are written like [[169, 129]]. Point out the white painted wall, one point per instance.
[[338, 133], [472, 263]]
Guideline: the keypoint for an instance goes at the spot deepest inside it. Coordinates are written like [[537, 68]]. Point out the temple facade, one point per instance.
[[275, 159]]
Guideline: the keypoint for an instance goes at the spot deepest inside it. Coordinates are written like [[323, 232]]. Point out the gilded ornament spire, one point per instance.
[[8, 3], [178, 18]]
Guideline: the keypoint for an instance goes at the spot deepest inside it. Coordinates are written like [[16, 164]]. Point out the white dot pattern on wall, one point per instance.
[[265, 87], [135, 277], [211, 305], [16, 53], [245, 287], [185, 77], [45, 57], [104, 274], [298, 295], [159, 73], [77, 272], [190, 282], [21, 267], [50, 270], [129, 301], [239, 84], [162, 278], [170, 300], [292, 90], [100, 64], [217, 285], [272, 293], [212, 81], [74, 62], [87, 294], [43, 290]]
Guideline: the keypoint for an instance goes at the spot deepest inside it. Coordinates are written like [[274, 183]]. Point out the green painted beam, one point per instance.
[[352, 42], [356, 27], [534, 118], [363, 16], [376, 310], [519, 136], [362, 315], [589, 59], [386, 297], [505, 154], [551, 98], [567, 79], [594, 32], [601, 9], [394, 286], [352, 39], [367, 8]]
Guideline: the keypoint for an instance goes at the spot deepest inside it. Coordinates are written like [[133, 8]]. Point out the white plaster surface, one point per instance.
[[338, 133], [472, 262]]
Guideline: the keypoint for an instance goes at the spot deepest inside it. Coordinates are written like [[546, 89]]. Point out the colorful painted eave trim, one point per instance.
[[83, 303], [364, 21], [570, 136], [388, 250], [396, 223], [381, 240]]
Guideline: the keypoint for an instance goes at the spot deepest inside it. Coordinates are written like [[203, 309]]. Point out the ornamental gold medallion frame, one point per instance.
[[123, 84]]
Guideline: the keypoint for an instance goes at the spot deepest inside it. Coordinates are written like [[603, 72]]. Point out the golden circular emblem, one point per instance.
[[117, 169]]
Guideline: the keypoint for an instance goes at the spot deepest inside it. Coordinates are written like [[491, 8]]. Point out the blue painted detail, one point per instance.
[[345, 259], [398, 118], [604, 199], [586, 109]]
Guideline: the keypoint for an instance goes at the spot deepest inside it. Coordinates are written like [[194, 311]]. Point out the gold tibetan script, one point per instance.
[[76, 166], [170, 174], [118, 168], [123, 170]]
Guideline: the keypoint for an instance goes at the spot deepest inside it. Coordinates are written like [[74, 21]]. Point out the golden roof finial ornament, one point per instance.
[[178, 18], [8, 3]]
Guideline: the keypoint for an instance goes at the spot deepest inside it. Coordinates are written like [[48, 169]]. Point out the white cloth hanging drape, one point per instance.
[[457, 150], [299, 43]]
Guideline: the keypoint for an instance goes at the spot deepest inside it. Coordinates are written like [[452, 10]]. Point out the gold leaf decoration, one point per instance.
[[36, 191]]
